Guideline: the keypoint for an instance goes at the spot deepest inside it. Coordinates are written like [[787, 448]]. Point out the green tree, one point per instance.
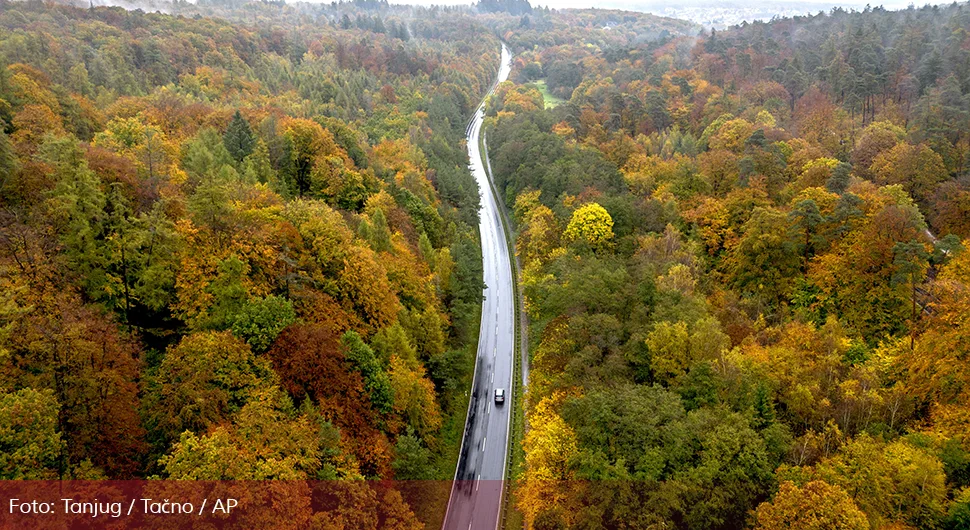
[[911, 261], [8, 161], [158, 241], [202, 381], [890, 482], [239, 139], [376, 380], [77, 207], [764, 262], [376, 231], [805, 219], [229, 293], [412, 460], [259, 321], [30, 445]]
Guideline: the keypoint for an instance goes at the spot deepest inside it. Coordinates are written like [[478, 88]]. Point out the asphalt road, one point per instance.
[[477, 491]]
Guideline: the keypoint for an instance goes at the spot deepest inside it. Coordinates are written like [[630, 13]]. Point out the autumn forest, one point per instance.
[[240, 241]]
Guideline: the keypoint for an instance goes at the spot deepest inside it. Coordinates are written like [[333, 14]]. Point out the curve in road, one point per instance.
[[476, 493]]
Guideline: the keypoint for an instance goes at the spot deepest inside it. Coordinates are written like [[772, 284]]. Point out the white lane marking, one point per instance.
[[478, 484], [483, 443], [487, 405]]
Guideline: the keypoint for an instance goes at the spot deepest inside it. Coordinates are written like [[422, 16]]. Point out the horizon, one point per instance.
[[641, 5]]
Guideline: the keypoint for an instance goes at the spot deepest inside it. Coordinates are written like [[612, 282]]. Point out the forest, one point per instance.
[[743, 262], [238, 250], [239, 241]]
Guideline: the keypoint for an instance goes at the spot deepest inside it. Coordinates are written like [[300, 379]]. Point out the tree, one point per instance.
[[30, 446], [959, 515], [917, 168], [239, 139], [8, 161], [228, 293], [937, 371], [202, 381], [877, 138], [414, 398], [312, 363], [205, 154], [549, 447], [855, 279], [77, 207], [376, 381], [839, 180], [77, 351], [911, 263], [592, 225], [806, 219], [259, 321], [669, 346], [267, 440], [815, 506], [764, 261], [376, 231], [732, 475], [894, 482], [309, 144], [413, 461]]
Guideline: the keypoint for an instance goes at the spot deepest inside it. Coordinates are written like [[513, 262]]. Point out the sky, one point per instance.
[[634, 4]]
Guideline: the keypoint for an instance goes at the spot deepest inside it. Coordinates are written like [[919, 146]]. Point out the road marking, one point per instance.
[[477, 485], [483, 443], [487, 404]]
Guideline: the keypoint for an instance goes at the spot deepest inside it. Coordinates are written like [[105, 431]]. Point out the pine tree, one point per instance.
[[239, 139]]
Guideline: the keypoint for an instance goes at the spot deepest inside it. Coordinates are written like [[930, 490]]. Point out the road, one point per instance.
[[476, 493]]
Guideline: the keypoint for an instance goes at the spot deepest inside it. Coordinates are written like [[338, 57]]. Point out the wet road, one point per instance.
[[477, 491]]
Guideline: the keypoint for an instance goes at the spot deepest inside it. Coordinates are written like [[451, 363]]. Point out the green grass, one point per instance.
[[550, 100]]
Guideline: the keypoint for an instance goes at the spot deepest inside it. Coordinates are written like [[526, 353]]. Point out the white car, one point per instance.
[[500, 395]]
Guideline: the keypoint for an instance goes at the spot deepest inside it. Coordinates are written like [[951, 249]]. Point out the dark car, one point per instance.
[[500, 395]]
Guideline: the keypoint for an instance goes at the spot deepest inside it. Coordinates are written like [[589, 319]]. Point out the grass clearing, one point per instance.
[[550, 100]]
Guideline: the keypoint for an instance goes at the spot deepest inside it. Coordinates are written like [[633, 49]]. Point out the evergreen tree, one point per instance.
[[376, 380], [239, 138]]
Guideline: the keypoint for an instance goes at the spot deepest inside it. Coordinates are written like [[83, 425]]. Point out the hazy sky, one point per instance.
[[812, 5]]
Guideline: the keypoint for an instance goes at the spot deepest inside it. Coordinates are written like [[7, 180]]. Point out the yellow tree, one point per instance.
[[939, 366], [414, 398], [917, 168], [817, 505], [896, 482], [592, 225], [539, 233], [550, 444]]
